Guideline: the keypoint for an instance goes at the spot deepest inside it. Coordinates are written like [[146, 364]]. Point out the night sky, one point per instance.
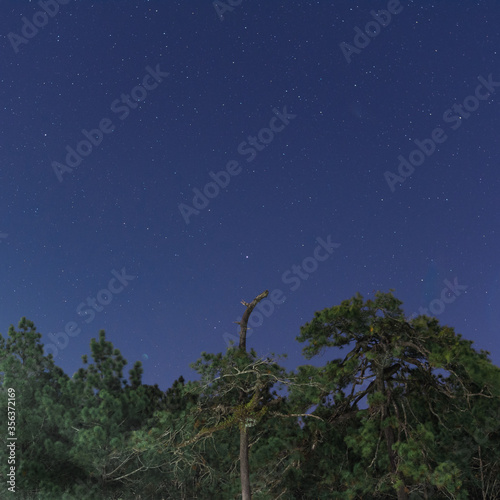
[[163, 160]]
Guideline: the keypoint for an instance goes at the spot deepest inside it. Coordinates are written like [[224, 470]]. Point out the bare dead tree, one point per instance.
[[246, 493]]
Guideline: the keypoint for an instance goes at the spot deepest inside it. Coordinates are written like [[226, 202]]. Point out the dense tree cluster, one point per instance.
[[410, 411]]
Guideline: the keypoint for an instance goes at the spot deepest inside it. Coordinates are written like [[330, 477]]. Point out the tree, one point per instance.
[[248, 416], [399, 371], [238, 372], [106, 410], [41, 448]]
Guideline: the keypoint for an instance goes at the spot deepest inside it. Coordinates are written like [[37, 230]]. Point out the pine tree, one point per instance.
[[42, 446], [105, 411], [397, 385]]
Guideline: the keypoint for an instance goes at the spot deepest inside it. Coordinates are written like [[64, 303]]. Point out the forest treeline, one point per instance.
[[409, 410]]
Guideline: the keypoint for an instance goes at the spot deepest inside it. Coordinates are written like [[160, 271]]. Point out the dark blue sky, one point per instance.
[[305, 115]]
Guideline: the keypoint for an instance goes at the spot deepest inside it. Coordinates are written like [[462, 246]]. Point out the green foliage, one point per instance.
[[411, 410], [423, 386]]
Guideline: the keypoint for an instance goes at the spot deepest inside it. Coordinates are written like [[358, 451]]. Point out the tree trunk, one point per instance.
[[244, 463], [389, 435], [389, 439]]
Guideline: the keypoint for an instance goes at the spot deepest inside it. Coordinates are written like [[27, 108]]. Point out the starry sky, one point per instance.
[[163, 160]]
